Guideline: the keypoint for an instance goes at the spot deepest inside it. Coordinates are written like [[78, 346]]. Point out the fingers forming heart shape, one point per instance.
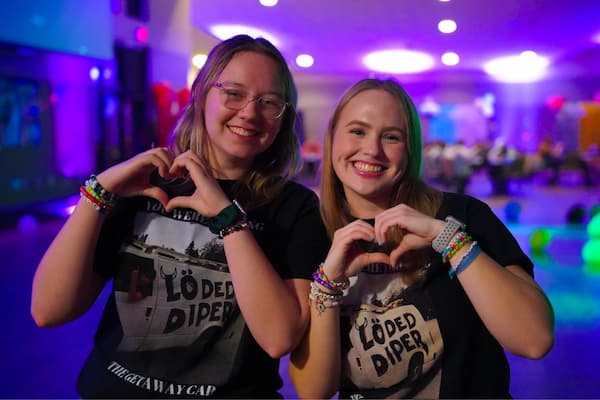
[[373, 253]]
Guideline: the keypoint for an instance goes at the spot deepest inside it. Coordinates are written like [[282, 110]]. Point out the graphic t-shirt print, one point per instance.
[[394, 338], [173, 287]]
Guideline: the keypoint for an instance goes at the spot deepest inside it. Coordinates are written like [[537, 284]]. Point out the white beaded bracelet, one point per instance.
[[323, 300]]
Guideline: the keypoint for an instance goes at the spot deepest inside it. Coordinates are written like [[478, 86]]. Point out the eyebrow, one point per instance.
[[241, 86], [385, 129]]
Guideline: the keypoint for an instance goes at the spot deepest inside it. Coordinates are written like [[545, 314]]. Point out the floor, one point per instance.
[[43, 363]]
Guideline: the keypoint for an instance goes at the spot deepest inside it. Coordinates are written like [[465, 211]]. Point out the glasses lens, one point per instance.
[[269, 107]]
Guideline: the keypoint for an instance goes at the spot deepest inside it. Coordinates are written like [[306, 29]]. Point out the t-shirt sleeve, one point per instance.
[[488, 230], [494, 237]]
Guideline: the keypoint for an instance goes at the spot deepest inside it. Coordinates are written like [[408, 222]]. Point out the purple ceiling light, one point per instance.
[[525, 67], [398, 61], [225, 31]]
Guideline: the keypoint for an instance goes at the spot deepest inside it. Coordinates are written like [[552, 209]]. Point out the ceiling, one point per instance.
[[337, 33]]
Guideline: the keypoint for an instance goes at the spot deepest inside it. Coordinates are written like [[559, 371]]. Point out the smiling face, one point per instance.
[[369, 152], [237, 137]]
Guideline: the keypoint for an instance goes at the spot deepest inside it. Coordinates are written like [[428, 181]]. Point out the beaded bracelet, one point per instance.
[[323, 300], [466, 260], [233, 228], [93, 201], [94, 188], [322, 279], [457, 242]]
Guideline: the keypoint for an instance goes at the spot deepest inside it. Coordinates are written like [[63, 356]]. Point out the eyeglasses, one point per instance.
[[235, 98]]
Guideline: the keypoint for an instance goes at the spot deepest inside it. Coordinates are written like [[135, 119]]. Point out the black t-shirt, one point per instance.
[[172, 326], [425, 339]]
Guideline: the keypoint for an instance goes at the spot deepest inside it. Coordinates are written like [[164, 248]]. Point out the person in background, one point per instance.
[[422, 291], [500, 158], [552, 155], [208, 242]]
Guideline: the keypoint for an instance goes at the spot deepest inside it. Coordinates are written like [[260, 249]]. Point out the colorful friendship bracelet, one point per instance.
[[322, 279], [93, 201], [94, 188], [101, 199], [458, 242], [467, 259]]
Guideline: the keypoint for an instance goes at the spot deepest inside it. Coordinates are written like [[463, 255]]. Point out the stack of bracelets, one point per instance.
[[324, 300], [98, 197], [450, 240]]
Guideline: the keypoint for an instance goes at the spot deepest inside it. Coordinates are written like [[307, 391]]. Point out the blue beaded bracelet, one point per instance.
[[466, 261]]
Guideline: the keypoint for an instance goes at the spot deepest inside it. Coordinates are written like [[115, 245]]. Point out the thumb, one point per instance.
[[364, 259], [179, 202], [157, 194]]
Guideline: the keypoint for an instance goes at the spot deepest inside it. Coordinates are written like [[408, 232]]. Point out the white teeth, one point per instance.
[[241, 131], [364, 167]]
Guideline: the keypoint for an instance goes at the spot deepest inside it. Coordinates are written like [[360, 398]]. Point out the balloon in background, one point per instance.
[[28, 223], [539, 240], [591, 249], [555, 102], [512, 211], [591, 253], [594, 210]]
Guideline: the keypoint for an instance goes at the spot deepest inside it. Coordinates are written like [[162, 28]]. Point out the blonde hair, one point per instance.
[[281, 160], [411, 189]]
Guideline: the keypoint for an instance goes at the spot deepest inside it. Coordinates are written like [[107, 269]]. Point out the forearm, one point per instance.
[[64, 285], [315, 366], [511, 305], [276, 311]]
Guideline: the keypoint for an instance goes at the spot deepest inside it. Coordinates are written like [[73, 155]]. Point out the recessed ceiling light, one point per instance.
[[226, 31], [398, 61], [450, 58], [525, 67], [269, 3], [447, 26], [305, 60]]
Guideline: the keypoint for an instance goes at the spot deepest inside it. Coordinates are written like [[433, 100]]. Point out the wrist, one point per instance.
[[445, 235], [230, 219]]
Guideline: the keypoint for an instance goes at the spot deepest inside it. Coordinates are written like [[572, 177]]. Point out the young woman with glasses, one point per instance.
[[422, 291], [208, 242]]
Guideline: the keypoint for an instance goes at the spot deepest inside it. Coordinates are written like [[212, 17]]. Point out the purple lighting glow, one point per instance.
[[226, 31], [398, 61], [525, 67]]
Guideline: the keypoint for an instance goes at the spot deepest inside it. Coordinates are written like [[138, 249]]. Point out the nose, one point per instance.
[[250, 110], [372, 146]]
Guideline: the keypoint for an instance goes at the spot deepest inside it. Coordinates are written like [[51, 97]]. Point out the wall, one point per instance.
[[522, 114]]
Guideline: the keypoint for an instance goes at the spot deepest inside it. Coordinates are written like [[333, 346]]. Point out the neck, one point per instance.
[[364, 208], [228, 168]]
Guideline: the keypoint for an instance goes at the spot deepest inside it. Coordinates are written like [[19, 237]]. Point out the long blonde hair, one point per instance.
[[411, 189], [281, 160]]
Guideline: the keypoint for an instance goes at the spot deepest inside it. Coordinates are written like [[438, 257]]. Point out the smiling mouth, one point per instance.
[[366, 167], [241, 131]]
